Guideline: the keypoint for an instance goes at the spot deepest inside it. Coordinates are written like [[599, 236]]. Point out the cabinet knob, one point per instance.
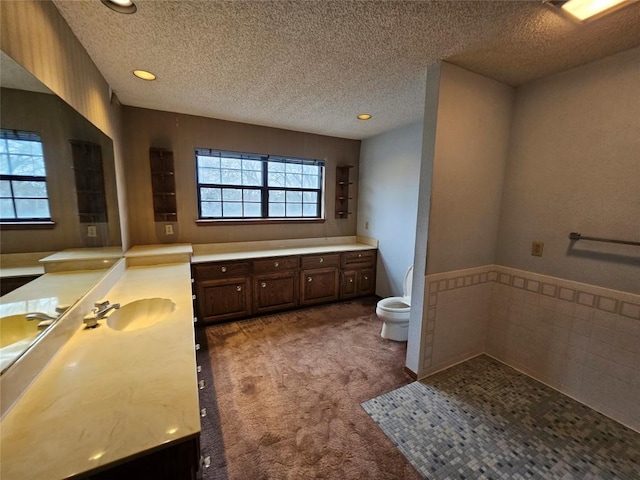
[[366, 278], [309, 279], [197, 346], [223, 269], [198, 369], [263, 285], [359, 255], [275, 264], [351, 280], [239, 288], [203, 412], [201, 384], [321, 260]]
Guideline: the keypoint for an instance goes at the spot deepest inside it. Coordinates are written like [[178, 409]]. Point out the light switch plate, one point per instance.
[[536, 248]]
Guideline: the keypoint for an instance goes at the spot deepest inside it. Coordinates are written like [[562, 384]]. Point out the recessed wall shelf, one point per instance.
[[89, 177], [163, 185], [342, 191]]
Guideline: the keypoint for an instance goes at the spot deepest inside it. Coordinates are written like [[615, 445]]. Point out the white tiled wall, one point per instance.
[[580, 339]]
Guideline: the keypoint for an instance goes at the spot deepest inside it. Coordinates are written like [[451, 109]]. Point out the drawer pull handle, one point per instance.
[[201, 384], [263, 285], [276, 264], [203, 412], [238, 288], [321, 260], [309, 279], [223, 269]]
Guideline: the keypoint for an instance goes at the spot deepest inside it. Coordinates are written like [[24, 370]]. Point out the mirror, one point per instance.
[[72, 215]]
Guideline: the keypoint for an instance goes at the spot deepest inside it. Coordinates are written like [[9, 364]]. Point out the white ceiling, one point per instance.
[[314, 65]]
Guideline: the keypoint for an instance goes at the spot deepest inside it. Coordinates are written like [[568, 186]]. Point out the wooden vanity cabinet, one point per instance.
[[223, 291], [358, 274], [275, 284], [319, 279]]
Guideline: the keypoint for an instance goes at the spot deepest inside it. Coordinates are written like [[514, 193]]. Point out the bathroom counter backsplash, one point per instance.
[[108, 395], [274, 248]]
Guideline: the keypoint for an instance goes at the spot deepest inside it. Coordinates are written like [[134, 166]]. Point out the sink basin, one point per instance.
[[140, 314], [16, 328]]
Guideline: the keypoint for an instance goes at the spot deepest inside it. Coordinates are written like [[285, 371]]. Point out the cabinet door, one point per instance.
[[348, 286], [318, 285], [224, 299], [366, 282], [277, 291]]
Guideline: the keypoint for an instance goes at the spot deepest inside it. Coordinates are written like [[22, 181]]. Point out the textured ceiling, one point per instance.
[[314, 65], [13, 75]]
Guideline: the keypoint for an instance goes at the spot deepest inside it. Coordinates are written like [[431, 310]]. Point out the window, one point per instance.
[[241, 185], [23, 181]]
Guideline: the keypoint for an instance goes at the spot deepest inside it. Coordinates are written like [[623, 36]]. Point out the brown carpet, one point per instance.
[[286, 396]]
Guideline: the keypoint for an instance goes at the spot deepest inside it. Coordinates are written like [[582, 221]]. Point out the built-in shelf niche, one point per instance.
[[163, 185], [89, 177], [342, 190]]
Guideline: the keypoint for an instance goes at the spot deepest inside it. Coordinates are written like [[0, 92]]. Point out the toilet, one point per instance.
[[394, 312]]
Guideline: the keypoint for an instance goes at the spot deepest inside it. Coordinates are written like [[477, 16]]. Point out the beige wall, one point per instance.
[[182, 134], [574, 166], [36, 36], [472, 136], [57, 123]]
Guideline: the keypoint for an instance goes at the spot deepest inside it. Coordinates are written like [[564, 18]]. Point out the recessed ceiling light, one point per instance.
[[364, 116], [144, 75], [121, 6], [584, 10]]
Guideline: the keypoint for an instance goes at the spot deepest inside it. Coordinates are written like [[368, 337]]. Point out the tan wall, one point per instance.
[[574, 165], [57, 123], [36, 36], [182, 134], [472, 136]]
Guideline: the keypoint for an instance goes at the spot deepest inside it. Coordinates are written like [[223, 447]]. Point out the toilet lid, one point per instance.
[[407, 283]]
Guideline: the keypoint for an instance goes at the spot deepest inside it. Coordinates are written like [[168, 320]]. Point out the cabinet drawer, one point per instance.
[[365, 258], [275, 264], [320, 261], [221, 270]]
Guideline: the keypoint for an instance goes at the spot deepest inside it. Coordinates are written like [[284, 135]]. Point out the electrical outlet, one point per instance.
[[168, 229], [92, 231], [536, 248]]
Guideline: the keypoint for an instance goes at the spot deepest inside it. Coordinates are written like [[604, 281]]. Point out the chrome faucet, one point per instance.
[[99, 312], [40, 316]]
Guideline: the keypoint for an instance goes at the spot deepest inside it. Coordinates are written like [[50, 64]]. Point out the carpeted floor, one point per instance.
[[286, 394], [484, 420]]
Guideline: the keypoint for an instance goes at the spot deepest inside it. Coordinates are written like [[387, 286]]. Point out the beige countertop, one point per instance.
[[277, 248], [108, 395]]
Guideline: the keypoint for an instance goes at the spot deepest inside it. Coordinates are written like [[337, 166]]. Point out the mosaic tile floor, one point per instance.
[[484, 420]]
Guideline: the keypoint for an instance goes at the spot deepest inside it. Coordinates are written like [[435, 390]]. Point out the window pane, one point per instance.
[[231, 163], [210, 194], [294, 209], [231, 194], [209, 175], [311, 170], [309, 210], [310, 181], [293, 168], [4, 164], [294, 197], [231, 177], [5, 189], [3, 145], [208, 162], [232, 209], [22, 165], [276, 209], [275, 167], [250, 177], [19, 146], [6, 209], [310, 197], [252, 196], [276, 195], [293, 180], [29, 189], [211, 209], [32, 208], [276, 179], [252, 210], [252, 165]]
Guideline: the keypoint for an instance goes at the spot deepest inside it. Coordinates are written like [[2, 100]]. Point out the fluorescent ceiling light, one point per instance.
[[588, 9]]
